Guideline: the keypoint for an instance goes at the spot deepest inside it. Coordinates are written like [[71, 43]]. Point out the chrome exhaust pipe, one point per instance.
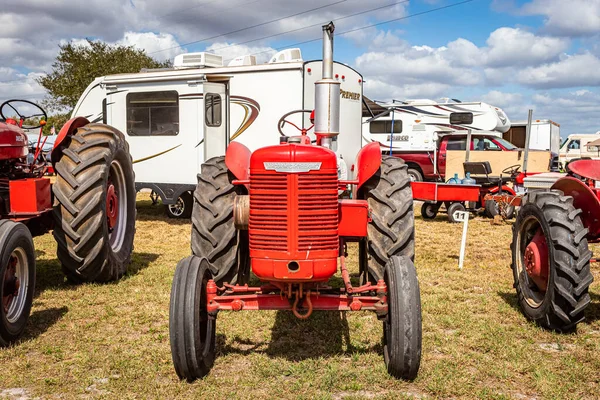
[[327, 95]]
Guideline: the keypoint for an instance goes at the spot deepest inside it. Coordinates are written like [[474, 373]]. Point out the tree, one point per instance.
[[77, 65]]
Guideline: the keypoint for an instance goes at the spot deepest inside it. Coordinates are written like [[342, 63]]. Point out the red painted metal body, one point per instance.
[[584, 198], [237, 160], [66, 131], [367, 164], [434, 191], [13, 142], [354, 217], [29, 196], [293, 225]]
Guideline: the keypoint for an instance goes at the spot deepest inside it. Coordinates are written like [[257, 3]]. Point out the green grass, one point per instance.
[[112, 341]]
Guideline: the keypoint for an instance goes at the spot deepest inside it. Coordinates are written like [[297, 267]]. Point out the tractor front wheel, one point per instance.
[[402, 327], [192, 331], [391, 230], [214, 234], [17, 279], [551, 261], [94, 205]]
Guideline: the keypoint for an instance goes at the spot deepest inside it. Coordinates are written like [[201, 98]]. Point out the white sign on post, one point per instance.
[[462, 216]]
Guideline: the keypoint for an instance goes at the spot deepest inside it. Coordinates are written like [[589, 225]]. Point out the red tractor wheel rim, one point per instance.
[[112, 205], [536, 260]]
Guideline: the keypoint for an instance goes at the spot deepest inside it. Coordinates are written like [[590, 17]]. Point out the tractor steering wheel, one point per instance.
[[513, 169], [282, 121], [23, 117]]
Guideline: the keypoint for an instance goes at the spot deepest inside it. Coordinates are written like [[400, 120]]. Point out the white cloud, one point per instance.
[[230, 51], [152, 43], [567, 17], [572, 71]]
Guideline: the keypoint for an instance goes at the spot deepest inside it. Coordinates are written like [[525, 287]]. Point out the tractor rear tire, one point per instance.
[[94, 205], [392, 227], [561, 306], [192, 332], [17, 281], [214, 234], [402, 326]]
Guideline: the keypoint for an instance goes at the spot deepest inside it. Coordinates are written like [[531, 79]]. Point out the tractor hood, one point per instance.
[[13, 142]]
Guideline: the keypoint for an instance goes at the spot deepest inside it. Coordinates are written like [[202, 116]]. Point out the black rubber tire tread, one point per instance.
[[13, 235], [80, 223], [214, 234], [189, 325], [403, 324], [418, 175], [188, 204], [392, 227], [429, 210], [452, 209], [570, 277]]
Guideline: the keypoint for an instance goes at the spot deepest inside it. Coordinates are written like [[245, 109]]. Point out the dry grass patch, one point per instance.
[[111, 341]]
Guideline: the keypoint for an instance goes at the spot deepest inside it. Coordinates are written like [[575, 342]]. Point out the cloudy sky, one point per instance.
[[515, 54]]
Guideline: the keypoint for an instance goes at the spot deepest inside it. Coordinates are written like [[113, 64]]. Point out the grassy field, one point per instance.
[[111, 341]]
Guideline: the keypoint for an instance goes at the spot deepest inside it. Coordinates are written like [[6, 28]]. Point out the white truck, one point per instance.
[[166, 114], [577, 146], [544, 135]]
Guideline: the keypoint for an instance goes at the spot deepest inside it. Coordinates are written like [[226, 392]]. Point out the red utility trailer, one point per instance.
[[456, 197]]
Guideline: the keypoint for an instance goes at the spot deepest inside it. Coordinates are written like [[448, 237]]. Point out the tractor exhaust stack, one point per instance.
[[327, 95]]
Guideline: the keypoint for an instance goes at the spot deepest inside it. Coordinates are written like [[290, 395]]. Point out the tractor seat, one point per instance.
[[481, 172]]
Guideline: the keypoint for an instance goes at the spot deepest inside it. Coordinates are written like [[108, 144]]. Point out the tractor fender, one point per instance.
[[66, 131], [367, 163], [237, 160], [584, 199]]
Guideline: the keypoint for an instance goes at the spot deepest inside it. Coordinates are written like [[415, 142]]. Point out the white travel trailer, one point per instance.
[[418, 122], [166, 114]]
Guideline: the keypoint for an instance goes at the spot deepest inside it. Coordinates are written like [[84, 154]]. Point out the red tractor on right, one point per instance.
[[550, 254]]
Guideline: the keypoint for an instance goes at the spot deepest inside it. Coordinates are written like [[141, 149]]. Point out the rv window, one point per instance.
[[385, 126], [457, 144], [153, 113], [212, 109]]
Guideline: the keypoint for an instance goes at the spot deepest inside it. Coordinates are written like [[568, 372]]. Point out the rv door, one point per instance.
[[216, 122]]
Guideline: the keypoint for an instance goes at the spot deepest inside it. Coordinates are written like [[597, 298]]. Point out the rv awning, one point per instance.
[[594, 143], [374, 107]]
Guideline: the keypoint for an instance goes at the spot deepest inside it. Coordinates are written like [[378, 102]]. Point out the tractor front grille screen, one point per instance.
[[294, 213]]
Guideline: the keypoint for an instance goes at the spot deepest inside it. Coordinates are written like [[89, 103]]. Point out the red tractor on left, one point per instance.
[[90, 207]]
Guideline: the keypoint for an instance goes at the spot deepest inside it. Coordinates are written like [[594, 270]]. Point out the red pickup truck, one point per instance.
[[420, 163]]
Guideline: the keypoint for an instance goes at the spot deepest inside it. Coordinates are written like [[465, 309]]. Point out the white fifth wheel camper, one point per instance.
[[418, 122], [166, 114]]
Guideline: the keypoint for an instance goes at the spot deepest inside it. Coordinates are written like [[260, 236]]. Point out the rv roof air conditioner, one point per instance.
[[197, 60], [287, 55], [242, 60]]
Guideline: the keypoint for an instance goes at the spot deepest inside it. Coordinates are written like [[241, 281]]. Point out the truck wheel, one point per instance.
[[392, 227], [182, 207], [452, 208], [192, 332], [94, 205], [429, 210], [492, 209], [402, 326], [551, 261], [17, 278], [415, 175], [214, 234]]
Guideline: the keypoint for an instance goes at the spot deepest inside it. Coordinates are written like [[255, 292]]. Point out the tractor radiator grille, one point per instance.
[[317, 212], [268, 212], [288, 220]]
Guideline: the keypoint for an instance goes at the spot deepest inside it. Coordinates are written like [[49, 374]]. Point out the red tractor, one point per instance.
[[90, 207], [550, 254], [277, 212]]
